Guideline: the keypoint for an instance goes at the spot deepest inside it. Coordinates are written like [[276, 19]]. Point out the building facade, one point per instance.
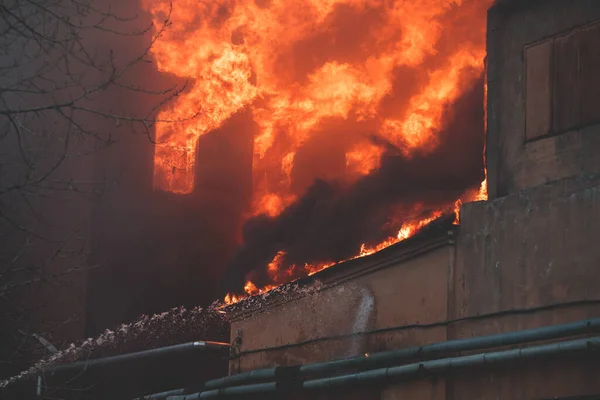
[[524, 259]]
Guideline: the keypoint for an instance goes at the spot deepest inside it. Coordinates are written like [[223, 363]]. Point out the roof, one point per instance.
[[437, 234]]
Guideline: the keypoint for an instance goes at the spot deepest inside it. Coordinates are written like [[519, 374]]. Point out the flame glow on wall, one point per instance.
[[300, 64]]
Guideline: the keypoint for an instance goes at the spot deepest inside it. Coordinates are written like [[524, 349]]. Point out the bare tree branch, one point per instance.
[[55, 69]]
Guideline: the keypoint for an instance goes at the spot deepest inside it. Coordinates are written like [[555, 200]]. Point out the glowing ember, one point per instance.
[[457, 206], [312, 269]]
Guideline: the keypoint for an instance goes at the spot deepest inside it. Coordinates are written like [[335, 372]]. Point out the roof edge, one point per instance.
[[437, 234]]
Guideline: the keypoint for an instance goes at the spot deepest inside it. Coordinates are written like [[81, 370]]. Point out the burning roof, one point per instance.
[[436, 233]]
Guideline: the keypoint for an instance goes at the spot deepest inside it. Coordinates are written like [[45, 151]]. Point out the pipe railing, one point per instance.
[[392, 357], [294, 377], [430, 367], [161, 395], [184, 348]]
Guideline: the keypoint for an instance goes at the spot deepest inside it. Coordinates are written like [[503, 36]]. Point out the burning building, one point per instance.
[[291, 149], [521, 260], [361, 135], [368, 252]]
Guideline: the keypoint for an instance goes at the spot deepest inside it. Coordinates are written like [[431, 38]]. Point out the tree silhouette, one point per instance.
[[56, 69]]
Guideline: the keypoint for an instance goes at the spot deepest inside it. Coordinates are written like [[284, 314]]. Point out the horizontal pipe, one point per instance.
[[394, 356], [445, 364], [161, 395], [184, 348], [409, 370], [184, 397], [257, 388]]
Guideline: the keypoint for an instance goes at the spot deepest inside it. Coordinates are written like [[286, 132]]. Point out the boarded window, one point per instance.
[[565, 98], [538, 91], [590, 75], [563, 83]]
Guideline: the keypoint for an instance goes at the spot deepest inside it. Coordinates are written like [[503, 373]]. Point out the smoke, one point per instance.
[[334, 218], [348, 117], [153, 250]]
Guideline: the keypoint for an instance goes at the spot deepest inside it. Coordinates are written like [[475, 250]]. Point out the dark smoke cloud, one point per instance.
[[333, 219], [157, 250]]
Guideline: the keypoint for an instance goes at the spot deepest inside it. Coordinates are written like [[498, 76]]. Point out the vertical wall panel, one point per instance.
[[566, 83], [538, 90], [590, 74]]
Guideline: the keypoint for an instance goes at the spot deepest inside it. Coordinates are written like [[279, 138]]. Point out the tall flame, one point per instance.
[[257, 56]]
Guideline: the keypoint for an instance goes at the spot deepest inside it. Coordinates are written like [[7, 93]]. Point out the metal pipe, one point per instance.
[[394, 356], [184, 397], [257, 388], [184, 348], [409, 370], [441, 365], [39, 390], [161, 395]]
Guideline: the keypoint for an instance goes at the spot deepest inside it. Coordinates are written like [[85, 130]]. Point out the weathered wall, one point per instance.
[[533, 248], [565, 379], [522, 261], [409, 293], [525, 259], [516, 161], [413, 291], [533, 256]]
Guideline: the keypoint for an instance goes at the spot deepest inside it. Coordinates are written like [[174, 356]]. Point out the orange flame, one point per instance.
[[262, 56], [232, 52], [363, 159], [407, 230], [418, 128]]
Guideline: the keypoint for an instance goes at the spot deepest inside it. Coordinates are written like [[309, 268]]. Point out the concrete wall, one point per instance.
[[411, 290], [540, 125], [529, 249], [522, 261], [529, 259]]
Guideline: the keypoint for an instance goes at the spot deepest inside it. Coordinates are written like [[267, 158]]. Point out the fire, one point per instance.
[[252, 290], [418, 128], [231, 52], [274, 267], [483, 189], [284, 61], [482, 194], [406, 231], [271, 204], [363, 159], [232, 298]]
